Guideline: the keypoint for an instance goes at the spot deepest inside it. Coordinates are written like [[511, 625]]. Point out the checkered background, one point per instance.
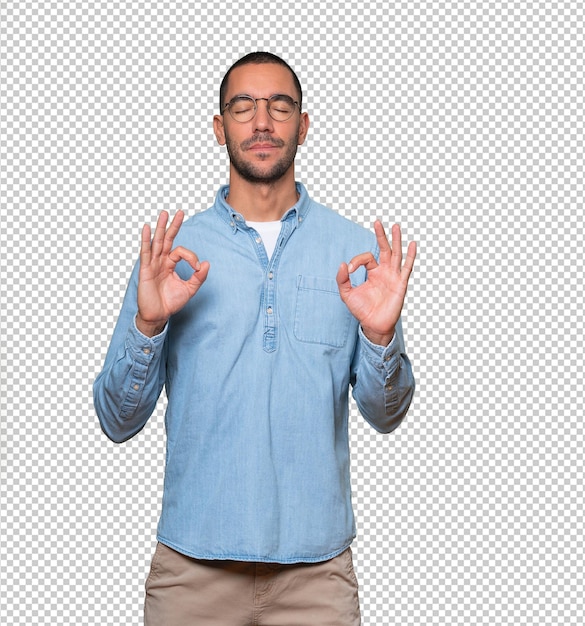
[[462, 121]]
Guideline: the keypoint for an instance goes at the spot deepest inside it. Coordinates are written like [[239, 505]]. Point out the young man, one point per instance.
[[252, 318]]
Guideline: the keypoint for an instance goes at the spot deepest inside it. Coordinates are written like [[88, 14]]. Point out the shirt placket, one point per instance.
[[270, 268]]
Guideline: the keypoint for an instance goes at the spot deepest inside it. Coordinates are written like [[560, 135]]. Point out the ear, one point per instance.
[[218, 129], [304, 124]]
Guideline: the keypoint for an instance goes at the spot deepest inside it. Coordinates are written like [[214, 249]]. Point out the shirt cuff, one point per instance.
[[380, 356], [145, 347]]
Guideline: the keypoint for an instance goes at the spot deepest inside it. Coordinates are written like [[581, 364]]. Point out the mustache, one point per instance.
[[260, 138]]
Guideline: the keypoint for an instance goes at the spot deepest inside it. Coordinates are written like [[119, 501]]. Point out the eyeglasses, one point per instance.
[[280, 107]]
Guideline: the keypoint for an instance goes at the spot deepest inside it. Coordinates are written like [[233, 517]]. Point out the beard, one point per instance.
[[254, 172]]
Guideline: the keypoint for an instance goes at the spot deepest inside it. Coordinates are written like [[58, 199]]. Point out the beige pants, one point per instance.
[[181, 591]]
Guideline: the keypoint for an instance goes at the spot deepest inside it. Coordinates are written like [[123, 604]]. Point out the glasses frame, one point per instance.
[[268, 100]]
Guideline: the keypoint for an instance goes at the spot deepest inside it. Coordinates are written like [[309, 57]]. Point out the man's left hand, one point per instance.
[[377, 303]]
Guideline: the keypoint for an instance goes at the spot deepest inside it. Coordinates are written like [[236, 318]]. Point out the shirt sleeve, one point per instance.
[[127, 389], [382, 380]]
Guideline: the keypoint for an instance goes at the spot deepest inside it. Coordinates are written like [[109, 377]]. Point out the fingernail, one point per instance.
[[350, 267]]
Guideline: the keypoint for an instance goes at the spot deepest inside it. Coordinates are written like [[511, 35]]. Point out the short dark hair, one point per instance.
[[258, 58]]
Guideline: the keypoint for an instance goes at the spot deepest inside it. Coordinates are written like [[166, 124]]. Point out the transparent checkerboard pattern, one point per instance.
[[462, 121]]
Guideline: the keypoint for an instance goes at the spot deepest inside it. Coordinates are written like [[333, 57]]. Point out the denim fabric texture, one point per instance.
[[257, 369]]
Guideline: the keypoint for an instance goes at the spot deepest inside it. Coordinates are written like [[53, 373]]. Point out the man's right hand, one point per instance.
[[161, 291]]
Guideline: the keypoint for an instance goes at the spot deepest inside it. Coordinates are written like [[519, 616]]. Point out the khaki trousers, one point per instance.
[[181, 591]]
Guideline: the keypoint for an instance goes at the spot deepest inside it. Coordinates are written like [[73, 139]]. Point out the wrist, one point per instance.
[[149, 329], [379, 339]]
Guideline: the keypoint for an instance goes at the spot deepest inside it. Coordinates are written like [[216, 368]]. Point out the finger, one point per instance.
[[145, 246], [396, 261], [198, 277], [179, 253], [409, 261], [343, 281], [367, 259], [159, 234], [383, 243], [172, 231]]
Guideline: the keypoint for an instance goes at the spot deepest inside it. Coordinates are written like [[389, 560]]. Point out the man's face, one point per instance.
[[261, 150]]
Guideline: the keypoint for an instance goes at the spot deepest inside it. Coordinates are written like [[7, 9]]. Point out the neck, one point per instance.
[[260, 202]]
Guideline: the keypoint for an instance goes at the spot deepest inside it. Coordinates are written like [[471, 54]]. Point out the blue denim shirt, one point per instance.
[[257, 368]]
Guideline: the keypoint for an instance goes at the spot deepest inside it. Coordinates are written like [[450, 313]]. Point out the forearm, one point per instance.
[[384, 383]]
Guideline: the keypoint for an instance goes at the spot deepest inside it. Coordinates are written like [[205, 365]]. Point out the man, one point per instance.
[[255, 323]]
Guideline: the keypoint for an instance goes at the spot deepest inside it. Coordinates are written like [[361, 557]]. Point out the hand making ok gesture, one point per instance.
[[161, 291], [377, 303]]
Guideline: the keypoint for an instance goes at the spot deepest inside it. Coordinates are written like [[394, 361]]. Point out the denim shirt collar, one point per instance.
[[235, 220]]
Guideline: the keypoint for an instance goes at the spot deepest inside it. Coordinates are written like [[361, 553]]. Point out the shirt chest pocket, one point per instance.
[[320, 315]]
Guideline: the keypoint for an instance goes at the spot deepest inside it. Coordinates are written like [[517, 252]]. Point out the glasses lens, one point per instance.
[[281, 107], [242, 109]]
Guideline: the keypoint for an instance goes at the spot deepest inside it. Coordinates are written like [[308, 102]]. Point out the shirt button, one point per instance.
[[269, 310], [271, 275], [136, 386], [258, 239], [146, 350]]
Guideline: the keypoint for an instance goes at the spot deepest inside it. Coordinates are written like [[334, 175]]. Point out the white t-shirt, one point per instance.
[[269, 231]]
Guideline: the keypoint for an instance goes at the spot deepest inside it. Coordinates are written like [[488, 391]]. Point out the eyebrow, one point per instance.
[[274, 95]]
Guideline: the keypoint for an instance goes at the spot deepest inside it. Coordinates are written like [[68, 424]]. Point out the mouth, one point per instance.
[[262, 147], [262, 144]]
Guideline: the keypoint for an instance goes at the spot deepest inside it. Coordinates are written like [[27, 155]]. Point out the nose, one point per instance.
[[262, 120]]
